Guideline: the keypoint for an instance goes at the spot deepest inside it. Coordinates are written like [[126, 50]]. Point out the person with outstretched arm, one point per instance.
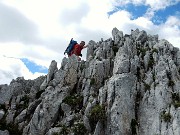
[[78, 48]]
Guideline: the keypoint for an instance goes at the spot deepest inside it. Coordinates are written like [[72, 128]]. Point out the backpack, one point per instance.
[[70, 47]]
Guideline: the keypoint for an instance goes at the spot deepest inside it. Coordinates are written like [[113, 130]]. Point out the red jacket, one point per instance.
[[77, 50]]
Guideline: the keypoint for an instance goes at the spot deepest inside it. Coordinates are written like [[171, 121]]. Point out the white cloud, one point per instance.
[[170, 30], [40, 30], [154, 5], [15, 26], [145, 23], [12, 68], [173, 21], [159, 4]]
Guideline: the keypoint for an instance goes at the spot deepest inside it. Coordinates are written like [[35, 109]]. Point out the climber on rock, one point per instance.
[[76, 48]]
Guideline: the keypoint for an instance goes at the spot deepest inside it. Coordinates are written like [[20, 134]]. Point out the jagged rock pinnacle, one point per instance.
[[129, 85]]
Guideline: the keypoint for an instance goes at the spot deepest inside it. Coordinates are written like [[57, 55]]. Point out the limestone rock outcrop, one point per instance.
[[129, 85]]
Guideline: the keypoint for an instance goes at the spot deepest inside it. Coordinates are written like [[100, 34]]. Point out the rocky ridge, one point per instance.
[[129, 85]]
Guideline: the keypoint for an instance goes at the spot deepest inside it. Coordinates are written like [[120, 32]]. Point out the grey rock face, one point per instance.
[[4, 132], [121, 103], [129, 85], [142, 36], [117, 35], [121, 63], [21, 117], [1, 114], [5, 94], [51, 72], [46, 112], [90, 50], [134, 33]]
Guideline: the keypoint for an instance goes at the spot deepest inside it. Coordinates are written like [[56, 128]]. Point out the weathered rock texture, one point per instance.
[[129, 85]]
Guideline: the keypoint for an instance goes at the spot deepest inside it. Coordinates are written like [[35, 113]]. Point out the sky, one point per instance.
[[35, 32]]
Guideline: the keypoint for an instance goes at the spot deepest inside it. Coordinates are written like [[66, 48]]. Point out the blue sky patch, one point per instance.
[[162, 15], [159, 17], [33, 67], [135, 10]]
